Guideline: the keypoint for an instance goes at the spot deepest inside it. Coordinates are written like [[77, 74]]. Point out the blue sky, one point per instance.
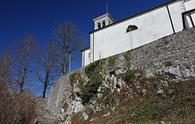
[[40, 17]]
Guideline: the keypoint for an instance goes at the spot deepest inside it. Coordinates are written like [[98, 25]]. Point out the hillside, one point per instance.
[[152, 84]]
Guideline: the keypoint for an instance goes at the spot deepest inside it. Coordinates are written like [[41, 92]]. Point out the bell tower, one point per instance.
[[103, 21]]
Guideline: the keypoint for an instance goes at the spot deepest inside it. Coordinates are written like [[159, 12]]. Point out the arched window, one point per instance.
[[103, 23], [131, 28], [99, 25]]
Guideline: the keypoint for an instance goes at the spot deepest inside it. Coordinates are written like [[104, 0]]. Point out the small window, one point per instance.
[[88, 55], [131, 28], [99, 25], [103, 23]]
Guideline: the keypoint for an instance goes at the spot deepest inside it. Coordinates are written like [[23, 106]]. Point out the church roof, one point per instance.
[[169, 2], [85, 49]]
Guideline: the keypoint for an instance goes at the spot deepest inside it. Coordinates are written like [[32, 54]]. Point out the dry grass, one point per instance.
[[15, 108]]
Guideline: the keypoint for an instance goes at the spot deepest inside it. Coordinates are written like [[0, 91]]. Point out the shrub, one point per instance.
[[112, 61], [93, 70], [127, 57], [129, 77], [15, 108], [72, 77], [90, 89], [168, 63]]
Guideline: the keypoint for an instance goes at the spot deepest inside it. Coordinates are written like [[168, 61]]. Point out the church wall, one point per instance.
[[189, 4], [193, 17], [85, 57], [91, 47], [176, 15], [151, 26]]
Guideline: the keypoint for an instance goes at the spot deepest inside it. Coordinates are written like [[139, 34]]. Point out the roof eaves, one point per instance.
[[133, 16], [85, 49]]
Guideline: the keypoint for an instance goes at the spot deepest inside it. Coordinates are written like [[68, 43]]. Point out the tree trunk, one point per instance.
[[22, 80], [45, 84], [66, 64]]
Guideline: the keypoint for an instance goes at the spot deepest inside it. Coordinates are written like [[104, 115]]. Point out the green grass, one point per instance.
[[89, 90], [72, 77], [112, 61]]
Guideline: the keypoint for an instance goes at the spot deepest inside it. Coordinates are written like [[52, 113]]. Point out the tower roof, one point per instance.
[[102, 16]]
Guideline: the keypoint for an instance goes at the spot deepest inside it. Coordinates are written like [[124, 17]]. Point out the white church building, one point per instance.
[[111, 37]]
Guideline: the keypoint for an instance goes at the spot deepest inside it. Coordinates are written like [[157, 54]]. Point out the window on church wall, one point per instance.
[[99, 25], [103, 23], [131, 28]]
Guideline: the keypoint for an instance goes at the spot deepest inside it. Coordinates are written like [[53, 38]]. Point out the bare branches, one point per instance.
[[52, 63], [67, 40], [57, 56], [49, 70], [15, 108], [5, 67], [25, 54]]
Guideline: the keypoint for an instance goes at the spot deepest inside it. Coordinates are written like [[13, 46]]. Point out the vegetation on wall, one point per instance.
[[93, 72], [72, 77], [129, 77], [174, 105], [112, 61], [90, 89], [127, 59], [143, 100]]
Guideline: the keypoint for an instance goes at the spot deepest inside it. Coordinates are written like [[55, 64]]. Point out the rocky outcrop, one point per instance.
[[144, 76]]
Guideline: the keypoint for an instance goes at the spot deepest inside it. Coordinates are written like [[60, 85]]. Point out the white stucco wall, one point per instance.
[[189, 4], [176, 15], [152, 25], [193, 17], [85, 57]]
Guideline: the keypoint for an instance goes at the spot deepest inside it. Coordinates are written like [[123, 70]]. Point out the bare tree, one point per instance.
[[49, 70], [67, 41], [15, 108], [5, 67], [25, 55]]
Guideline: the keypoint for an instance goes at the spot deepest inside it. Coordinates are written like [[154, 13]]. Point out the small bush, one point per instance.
[[168, 63], [15, 108], [112, 61], [127, 60], [72, 77], [90, 89], [129, 77], [93, 70]]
